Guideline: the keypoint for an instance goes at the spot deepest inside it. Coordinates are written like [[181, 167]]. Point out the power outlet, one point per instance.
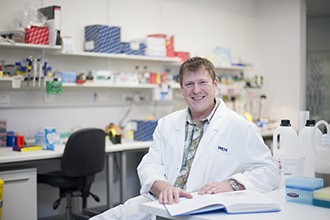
[[100, 97], [128, 97], [49, 98], [4, 98], [139, 97]]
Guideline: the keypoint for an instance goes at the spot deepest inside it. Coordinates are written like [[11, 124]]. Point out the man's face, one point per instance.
[[198, 90]]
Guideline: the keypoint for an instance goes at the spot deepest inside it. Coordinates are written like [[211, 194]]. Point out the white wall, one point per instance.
[[282, 56], [266, 33], [198, 26], [254, 30]]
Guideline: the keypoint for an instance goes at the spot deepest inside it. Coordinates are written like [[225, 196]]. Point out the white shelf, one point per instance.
[[56, 50], [6, 79], [230, 67], [88, 85], [107, 85], [29, 46], [123, 56]]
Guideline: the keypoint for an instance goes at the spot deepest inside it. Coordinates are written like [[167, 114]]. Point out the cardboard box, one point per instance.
[[143, 130], [53, 13], [68, 77], [156, 47], [37, 35], [54, 22], [164, 46], [133, 48], [102, 39], [182, 55], [170, 47]]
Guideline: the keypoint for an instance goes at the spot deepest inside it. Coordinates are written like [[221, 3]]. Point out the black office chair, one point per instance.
[[83, 157]]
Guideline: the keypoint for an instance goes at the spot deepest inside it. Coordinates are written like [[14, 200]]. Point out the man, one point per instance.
[[206, 148]]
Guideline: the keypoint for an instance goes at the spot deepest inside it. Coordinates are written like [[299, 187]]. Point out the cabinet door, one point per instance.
[[19, 194]]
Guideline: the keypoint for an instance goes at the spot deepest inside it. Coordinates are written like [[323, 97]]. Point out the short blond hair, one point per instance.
[[194, 64]]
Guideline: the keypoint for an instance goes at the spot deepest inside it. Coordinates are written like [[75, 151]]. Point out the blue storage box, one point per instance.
[[127, 48], [68, 77], [102, 39], [300, 188], [143, 130]]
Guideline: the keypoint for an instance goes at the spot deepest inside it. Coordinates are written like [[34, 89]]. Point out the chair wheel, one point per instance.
[[56, 204], [96, 198]]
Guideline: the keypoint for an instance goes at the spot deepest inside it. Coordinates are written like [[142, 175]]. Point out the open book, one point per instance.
[[245, 201]]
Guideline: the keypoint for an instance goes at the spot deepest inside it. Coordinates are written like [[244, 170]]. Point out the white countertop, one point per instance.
[[289, 211], [7, 155]]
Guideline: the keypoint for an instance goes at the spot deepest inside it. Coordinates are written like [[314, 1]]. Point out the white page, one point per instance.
[[235, 202]]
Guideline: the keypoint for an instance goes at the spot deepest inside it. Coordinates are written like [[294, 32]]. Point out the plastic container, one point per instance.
[[40, 140], [322, 154], [321, 197], [285, 149], [2, 183], [300, 188], [50, 137], [11, 139], [306, 155]]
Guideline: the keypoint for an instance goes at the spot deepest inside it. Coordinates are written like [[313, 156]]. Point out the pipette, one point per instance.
[[39, 71], [34, 71]]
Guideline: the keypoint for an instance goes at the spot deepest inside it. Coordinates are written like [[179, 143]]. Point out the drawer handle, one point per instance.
[[18, 179]]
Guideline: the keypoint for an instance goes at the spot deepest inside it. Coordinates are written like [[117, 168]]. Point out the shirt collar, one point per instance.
[[208, 118]]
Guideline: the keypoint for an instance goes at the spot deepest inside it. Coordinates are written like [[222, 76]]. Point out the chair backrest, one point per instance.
[[84, 153]]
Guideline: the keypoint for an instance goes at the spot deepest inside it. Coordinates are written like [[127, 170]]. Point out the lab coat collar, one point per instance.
[[214, 128]]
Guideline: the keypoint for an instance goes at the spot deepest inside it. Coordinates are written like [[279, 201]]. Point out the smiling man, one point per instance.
[[206, 148]]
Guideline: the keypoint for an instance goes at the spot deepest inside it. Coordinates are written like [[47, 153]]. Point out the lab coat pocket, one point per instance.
[[221, 165]]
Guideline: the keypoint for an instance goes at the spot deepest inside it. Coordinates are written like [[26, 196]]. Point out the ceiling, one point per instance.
[[318, 8]]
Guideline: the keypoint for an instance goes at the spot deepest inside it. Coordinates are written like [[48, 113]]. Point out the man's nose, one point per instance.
[[196, 88]]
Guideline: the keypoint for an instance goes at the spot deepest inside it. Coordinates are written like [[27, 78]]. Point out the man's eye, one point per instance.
[[188, 85], [203, 83]]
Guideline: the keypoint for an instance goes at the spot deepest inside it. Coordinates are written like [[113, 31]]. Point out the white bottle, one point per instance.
[[129, 132], [322, 154], [285, 149], [306, 155]]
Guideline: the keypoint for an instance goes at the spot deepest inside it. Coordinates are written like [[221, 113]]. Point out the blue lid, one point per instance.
[[303, 182]]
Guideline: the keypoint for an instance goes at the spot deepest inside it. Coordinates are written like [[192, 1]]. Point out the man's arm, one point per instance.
[[219, 187], [168, 194]]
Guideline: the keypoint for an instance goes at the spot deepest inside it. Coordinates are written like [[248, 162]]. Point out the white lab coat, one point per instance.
[[231, 147]]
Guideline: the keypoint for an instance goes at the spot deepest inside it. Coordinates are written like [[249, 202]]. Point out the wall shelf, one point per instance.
[[222, 68], [29, 46], [107, 85], [122, 56], [6, 84], [57, 50]]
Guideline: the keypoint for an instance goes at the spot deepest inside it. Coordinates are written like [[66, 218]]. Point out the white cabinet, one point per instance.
[[20, 194]]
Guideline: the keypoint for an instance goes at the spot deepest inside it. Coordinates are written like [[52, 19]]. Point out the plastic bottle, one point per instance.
[[2, 183], [306, 155], [285, 149], [129, 132], [322, 154]]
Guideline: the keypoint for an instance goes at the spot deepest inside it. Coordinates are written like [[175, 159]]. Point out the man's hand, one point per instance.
[[216, 187], [168, 194]]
